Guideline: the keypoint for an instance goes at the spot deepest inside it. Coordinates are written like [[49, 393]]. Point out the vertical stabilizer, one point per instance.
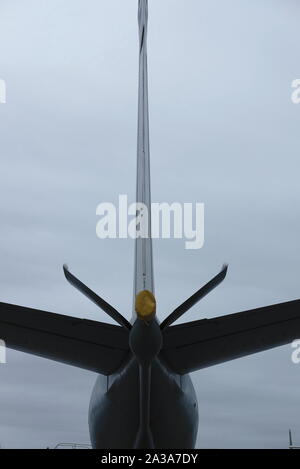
[[143, 275]]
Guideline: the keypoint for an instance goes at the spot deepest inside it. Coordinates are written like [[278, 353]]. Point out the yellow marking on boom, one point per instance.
[[145, 305]]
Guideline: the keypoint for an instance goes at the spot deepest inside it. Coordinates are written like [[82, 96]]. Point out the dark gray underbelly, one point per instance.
[[114, 410]]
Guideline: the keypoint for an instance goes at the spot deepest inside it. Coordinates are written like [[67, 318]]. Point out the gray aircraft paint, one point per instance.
[[143, 276]]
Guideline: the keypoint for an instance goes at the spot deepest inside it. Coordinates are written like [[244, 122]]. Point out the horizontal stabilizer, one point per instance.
[[90, 345], [200, 344]]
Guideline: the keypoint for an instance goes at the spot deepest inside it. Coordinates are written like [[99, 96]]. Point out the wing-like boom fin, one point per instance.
[[102, 304], [91, 345], [188, 304], [200, 344]]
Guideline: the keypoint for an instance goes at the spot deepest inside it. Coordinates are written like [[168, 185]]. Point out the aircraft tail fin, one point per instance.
[[199, 344], [290, 438], [90, 345], [143, 264]]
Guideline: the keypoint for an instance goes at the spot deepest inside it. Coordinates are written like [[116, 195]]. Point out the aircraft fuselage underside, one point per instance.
[[114, 409]]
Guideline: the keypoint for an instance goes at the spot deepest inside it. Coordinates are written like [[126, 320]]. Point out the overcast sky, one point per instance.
[[223, 131]]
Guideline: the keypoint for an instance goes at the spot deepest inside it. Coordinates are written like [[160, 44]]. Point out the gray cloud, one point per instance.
[[223, 132]]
